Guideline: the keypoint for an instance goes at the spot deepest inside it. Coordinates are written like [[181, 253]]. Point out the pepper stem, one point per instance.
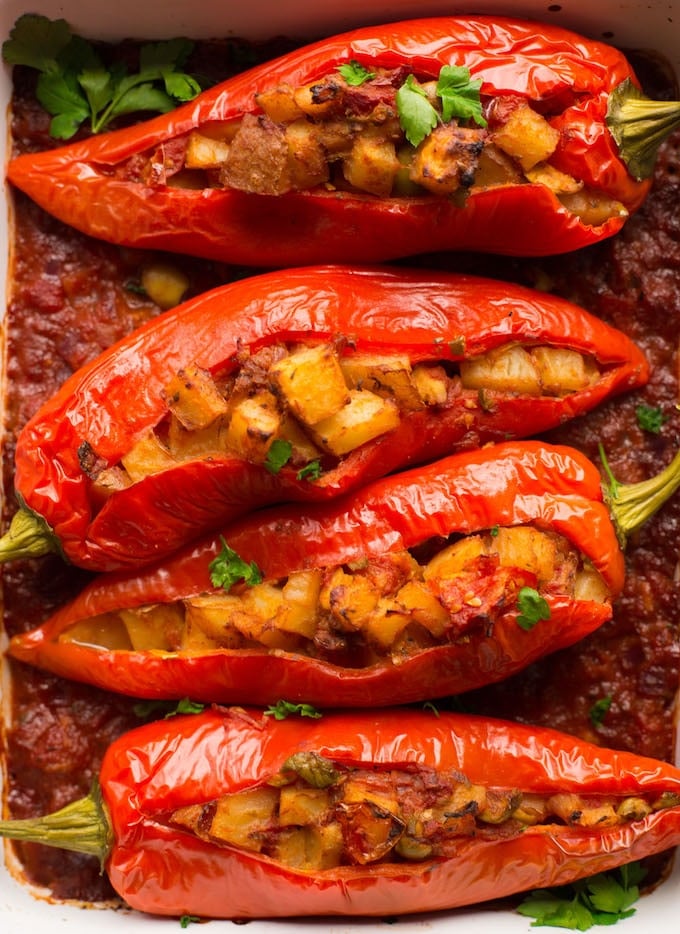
[[640, 125], [82, 826], [632, 504], [28, 536]]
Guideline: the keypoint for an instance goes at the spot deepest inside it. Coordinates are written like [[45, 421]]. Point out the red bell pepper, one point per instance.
[[155, 773], [112, 402], [586, 89], [553, 489]]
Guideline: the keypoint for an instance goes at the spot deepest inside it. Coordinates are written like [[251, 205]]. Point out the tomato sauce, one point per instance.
[[72, 296]]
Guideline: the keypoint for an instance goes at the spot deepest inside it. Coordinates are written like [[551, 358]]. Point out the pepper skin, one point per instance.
[[113, 401], [178, 762], [83, 184], [553, 488]]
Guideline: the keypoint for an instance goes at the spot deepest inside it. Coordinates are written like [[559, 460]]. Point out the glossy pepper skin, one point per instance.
[[554, 488], [113, 401], [80, 185], [184, 760]]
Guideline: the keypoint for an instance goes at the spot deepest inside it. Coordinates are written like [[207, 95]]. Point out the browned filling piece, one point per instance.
[[318, 403], [316, 814], [391, 606], [334, 136]]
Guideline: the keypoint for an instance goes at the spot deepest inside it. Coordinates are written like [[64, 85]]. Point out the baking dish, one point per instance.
[[653, 25]]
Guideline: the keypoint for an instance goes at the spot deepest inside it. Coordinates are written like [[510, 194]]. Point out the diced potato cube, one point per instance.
[[203, 152], [385, 624], [372, 165], [164, 283], [454, 559], [302, 806], [526, 548], [357, 791], [417, 599], [590, 585], [311, 848], [307, 160], [212, 615], [365, 417], [552, 178], [561, 371], [317, 99], [106, 631], [574, 810], [508, 369], [253, 424], [202, 442], [593, 208], [193, 397], [262, 605], [447, 159], [432, 383], [157, 627], [109, 481], [299, 611], [531, 809], [499, 805], [496, 168], [279, 104], [385, 375], [241, 816], [351, 598], [148, 456], [527, 136], [311, 382], [303, 449]]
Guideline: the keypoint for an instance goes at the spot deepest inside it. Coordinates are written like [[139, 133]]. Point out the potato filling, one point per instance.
[[312, 404], [316, 814], [385, 607], [340, 136]]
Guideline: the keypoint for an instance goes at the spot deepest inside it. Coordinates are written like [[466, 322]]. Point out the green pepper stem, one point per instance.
[[82, 826], [632, 504], [640, 125], [28, 536]]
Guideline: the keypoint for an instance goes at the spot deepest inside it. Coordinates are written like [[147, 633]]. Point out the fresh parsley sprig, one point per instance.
[[532, 608], [228, 568], [354, 73], [283, 708], [459, 94], [76, 87], [601, 899]]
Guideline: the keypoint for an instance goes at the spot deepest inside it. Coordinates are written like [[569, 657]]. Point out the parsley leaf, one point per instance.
[[354, 73], [228, 568], [144, 709], [460, 94], [417, 116], [650, 418], [282, 709], [599, 710], [311, 471], [278, 455], [532, 608], [602, 899], [76, 87]]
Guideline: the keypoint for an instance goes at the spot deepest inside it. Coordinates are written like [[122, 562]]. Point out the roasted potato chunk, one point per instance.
[[311, 383], [365, 417]]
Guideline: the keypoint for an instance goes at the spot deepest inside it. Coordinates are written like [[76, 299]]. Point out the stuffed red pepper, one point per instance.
[[232, 814], [486, 134]]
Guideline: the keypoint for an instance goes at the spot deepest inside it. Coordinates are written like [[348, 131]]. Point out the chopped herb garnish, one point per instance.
[[75, 86], [650, 418], [354, 73], [282, 709], [602, 899], [428, 705], [311, 471], [186, 920], [228, 568], [532, 608], [599, 710], [417, 116], [146, 709], [460, 94], [494, 530], [278, 455]]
